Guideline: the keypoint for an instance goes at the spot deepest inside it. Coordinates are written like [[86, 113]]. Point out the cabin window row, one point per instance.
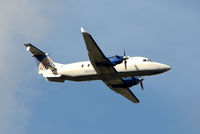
[[88, 65]]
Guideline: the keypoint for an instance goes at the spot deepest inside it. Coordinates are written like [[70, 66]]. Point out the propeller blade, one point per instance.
[[124, 53], [141, 84], [125, 58], [125, 62]]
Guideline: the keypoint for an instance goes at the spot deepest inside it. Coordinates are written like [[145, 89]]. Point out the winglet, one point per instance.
[[82, 30]]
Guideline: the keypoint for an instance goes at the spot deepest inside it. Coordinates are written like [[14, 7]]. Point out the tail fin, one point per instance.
[[42, 59]]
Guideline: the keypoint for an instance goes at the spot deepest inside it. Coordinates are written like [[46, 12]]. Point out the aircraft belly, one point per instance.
[[81, 77]]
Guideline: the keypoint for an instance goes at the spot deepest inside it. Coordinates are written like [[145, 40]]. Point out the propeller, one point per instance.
[[140, 78], [141, 84], [125, 58]]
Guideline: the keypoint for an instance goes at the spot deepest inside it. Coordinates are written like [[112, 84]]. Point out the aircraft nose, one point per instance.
[[165, 67]]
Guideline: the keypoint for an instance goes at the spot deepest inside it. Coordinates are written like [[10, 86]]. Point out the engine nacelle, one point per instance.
[[116, 60], [128, 82]]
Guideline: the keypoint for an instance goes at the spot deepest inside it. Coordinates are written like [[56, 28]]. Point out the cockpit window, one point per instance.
[[146, 60]]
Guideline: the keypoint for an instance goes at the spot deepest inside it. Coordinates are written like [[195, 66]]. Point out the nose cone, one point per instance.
[[158, 68], [164, 67]]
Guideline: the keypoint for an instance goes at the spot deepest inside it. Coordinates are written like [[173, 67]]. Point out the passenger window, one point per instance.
[[82, 65], [88, 65], [145, 60]]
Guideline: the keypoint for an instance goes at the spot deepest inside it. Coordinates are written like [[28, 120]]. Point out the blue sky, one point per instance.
[[164, 31]]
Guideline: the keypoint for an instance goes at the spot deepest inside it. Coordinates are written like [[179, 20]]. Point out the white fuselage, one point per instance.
[[84, 71]]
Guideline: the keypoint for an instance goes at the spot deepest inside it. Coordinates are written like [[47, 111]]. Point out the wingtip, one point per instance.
[[82, 30], [28, 46]]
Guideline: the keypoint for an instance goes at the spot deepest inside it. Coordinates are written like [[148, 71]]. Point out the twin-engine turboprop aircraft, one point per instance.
[[119, 73]]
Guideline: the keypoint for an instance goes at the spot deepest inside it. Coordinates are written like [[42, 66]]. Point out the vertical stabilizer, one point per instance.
[[41, 58]]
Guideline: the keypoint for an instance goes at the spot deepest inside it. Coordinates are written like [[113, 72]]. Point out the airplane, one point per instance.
[[119, 73]]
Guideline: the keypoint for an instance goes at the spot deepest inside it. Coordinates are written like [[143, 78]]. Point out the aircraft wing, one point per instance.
[[96, 56], [103, 68], [126, 92]]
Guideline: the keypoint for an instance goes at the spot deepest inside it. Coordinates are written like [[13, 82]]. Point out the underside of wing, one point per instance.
[[93, 49], [116, 85]]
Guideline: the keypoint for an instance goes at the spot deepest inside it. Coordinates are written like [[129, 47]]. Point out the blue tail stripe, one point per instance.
[[39, 58]]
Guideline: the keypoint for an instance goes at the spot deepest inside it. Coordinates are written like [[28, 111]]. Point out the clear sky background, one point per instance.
[[164, 31]]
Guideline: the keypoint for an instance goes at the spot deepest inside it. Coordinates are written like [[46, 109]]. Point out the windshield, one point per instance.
[[146, 60]]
